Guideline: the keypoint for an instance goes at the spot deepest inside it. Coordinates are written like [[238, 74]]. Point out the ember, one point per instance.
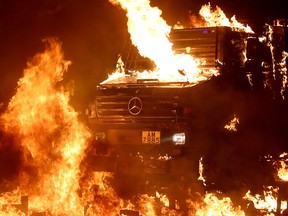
[[231, 126]]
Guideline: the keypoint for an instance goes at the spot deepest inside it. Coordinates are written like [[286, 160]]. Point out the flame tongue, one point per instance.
[[218, 18], [148, 30], [149, 33], [52, 138]]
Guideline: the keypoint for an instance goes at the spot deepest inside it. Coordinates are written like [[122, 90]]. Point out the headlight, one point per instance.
[[100, 136], [178, 138]]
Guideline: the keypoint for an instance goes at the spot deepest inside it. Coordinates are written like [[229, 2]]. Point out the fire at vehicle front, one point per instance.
[[144, 114]]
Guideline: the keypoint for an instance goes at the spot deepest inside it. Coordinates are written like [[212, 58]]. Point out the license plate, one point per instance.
[[151, 137]]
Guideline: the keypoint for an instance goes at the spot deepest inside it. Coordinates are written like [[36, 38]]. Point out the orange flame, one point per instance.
[[218, 18], [150, 34], [52, 138], [231, 126], [100, 197], [266, 202], [53, 143], [282, 171], [201, 171], [6, 206], [277, 64], [212, 205]]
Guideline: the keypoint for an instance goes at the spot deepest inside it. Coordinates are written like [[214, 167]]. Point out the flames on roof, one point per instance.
[[150, 33]]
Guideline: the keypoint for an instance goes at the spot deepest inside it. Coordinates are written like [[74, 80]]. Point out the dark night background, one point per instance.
[[93, 33]]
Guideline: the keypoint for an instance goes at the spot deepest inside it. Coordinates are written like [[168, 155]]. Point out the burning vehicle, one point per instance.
[[177, 129], [147, 117], [155, 120]]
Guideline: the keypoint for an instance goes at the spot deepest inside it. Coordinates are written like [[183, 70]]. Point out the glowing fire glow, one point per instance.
[[100, 197], [53, 143], [282, 171], [218, 18], [284, 73], [266, 202], [150, 34], [201, 171], [231, 126], [51, 137], [212, 205]]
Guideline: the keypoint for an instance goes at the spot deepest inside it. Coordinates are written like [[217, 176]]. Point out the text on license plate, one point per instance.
[[152, 137]]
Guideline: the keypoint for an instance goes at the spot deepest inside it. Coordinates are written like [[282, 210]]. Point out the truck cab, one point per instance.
[[156, 119], [145, 127]]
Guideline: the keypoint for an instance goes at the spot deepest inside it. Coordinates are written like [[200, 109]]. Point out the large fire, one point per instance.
[[150, 34], [266, 202], [52, 141], [46, 129]]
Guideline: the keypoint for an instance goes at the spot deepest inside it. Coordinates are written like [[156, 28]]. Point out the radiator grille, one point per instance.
[[157, 105]]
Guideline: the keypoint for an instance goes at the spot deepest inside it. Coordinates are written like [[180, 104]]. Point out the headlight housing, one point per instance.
[[100, 136], [179, 138]]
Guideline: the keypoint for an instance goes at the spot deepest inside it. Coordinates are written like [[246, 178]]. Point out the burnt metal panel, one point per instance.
[[205, 44]]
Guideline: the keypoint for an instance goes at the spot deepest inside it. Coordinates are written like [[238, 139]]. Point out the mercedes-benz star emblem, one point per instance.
[[135, 106]]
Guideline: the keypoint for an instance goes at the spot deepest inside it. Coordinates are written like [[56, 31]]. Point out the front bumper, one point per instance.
[[137, 164]]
